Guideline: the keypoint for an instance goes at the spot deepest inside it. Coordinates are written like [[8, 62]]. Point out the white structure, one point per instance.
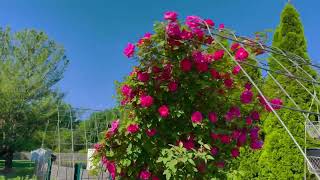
[[89, 159]]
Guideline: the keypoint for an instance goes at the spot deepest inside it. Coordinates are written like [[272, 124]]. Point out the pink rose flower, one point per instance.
[[170, 15], [129, 50], [143, 76], [188, 144], [247, 85], [220, 164], [218, 55], [254, 133], [172, 86], [114, 126], [155, 178], [146, 37], [236, 70], [235, 46], [156, 69], [163, 111], [241, 54], [145, 175], [202, 67], [213, 117], [221, 26], [275, 103], [198, 57], [214, 136], [151, 132], [173, 30], [215, 74], [126, 90], [186, 65], [246, 96], [201, 167], [242, 139], [228, 83], [235, 152], [186, 35], [209, 22], [146, 101], [111, 167], [209, 40], [199, 33], [98, 147], [255, 115], [196, 117], [256, 144], [225, 139], [235, 134], [248, 121], [214, 150], [132, 128], [193, 21]]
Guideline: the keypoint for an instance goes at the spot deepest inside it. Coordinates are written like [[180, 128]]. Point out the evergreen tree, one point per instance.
[[280, 158]]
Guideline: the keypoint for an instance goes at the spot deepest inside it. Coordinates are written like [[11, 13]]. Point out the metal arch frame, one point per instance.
[[265, 99]]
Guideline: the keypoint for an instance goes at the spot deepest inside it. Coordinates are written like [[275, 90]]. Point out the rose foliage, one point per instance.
[[188, 107]]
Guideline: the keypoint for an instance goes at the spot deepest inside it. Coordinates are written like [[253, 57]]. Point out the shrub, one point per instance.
[[188, 107]]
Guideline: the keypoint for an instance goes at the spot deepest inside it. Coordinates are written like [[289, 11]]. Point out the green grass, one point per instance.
[[22, 170]]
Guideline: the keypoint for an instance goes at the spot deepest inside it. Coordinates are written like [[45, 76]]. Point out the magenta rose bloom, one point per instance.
[[186, 65], [235, 152], [173, 30], [241, 54], [170, 15], [254, 133], [143, 76], [114, 126], [145, 175], [146, 101], [151, 132], [221, 26], [214, 150], [228, 83], [172, 86], [188, 144], [126, 90], [129, 50], [256, 144], [163, 111], [246, 96], [275, 103], [209, 22], [132, 128], [235, 46], [111, 167], [196, 117], [214, 74], [236, 70], [213, 117], [193, 21], [225, 139], [218, 55], [248, 121], [255, 115], [202, 67]]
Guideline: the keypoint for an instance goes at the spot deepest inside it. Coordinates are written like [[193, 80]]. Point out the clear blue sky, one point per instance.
[[94, 33]]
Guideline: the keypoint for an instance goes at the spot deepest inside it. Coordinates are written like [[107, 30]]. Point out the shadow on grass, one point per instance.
[[22, 170]]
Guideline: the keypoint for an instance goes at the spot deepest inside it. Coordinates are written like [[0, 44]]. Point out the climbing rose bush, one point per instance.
[[187, 106]]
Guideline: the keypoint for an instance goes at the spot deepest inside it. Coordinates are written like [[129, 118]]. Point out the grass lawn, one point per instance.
[[22, 169]]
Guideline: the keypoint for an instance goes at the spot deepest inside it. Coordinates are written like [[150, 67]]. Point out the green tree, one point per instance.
[[280, 158], [31, 64]]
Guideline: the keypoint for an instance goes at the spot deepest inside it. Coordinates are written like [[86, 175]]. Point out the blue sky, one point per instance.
[[95, 32]]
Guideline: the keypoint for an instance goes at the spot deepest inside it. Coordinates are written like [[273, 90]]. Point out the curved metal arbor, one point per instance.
[[312, 128]]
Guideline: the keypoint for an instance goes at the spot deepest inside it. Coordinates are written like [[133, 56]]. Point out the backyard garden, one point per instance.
[[201, 101]]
